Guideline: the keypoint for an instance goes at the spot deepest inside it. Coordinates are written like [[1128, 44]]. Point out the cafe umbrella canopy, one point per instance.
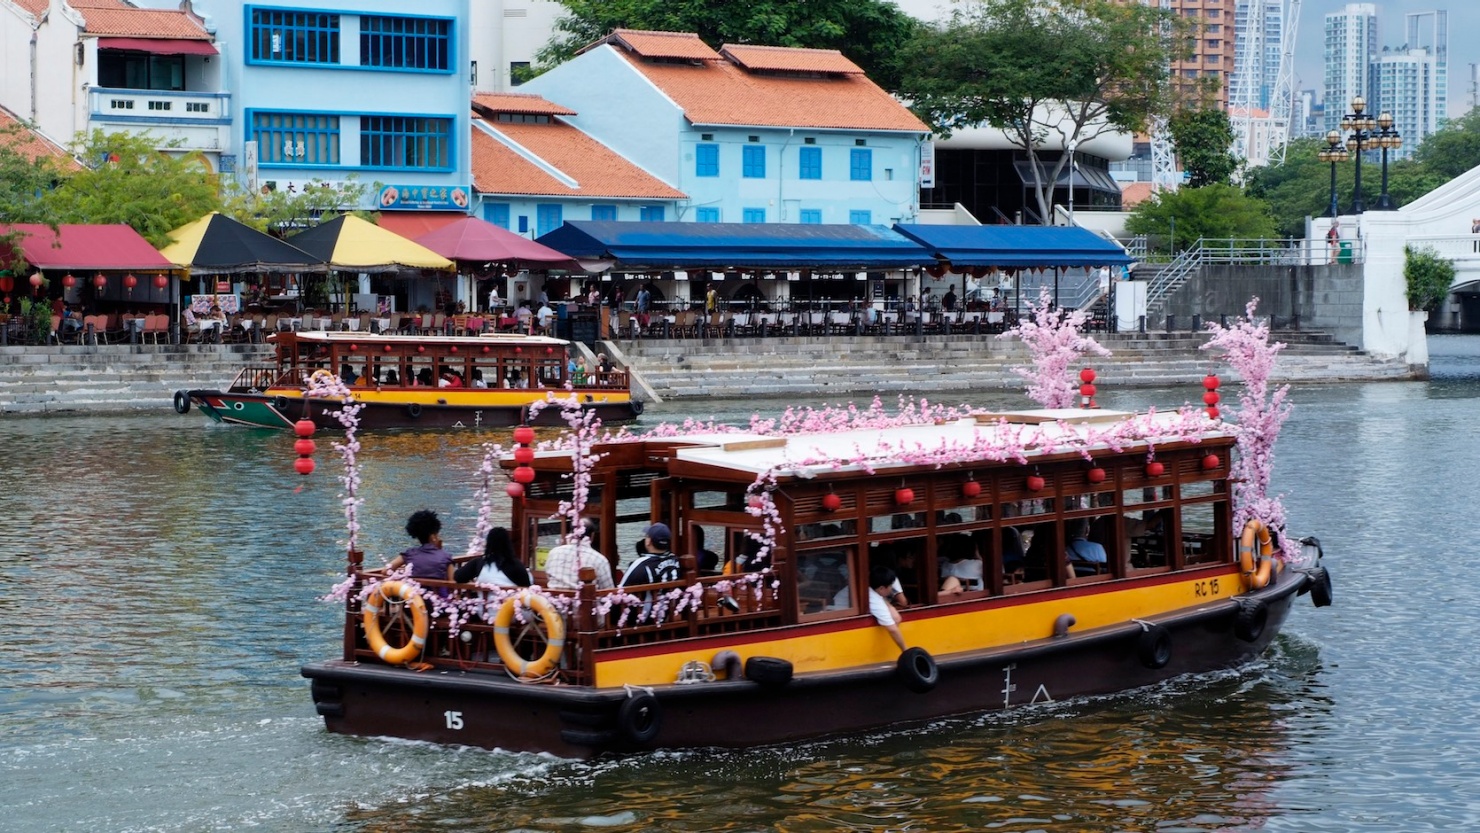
[[771, 246], [219, 245], [87, 251], [350, 244]]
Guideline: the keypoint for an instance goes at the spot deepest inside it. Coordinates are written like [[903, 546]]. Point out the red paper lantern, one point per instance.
[[37, 280], [100, 280], [904, 496], [831, 502], [421, 348], [303, 465], [387, 348], [524, 434], [549, 350], [523, 474], [1210, 382], [518, 349], [1087, 375], [971, 488], [485, 349], [7, 283], [1210, 398], [354, 348], [1155, 469], [304, 446], [129, 281], [524, 455], [514, 490], [69, 281], [1210, 462], [1095, 475], [1035, 483], [1212, 413], [452, 349], [303, 428], [1086, 390], [161, 281]]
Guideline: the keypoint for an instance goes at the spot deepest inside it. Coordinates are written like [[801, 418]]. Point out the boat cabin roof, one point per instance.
[[353, 337]]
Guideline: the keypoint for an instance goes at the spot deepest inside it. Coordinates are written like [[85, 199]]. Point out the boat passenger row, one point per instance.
[[696, 324]]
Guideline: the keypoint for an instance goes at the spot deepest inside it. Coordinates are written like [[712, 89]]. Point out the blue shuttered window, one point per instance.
[[754, 162], [753, 215], [405, 142], [406, 42], [651, 214], [497, 213], [296, 138], [706, 160], [812, 216], [548, 217], [861, 165], [860, 218], [810, 164], [603, 212], [278, 35], [706, 215]]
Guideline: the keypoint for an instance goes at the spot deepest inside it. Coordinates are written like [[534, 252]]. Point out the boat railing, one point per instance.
[[255, 378], [594, 620]]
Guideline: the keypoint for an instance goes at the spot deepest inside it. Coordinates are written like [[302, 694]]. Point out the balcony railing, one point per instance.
[[142, 106]]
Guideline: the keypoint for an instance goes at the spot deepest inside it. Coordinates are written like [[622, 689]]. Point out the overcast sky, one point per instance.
[[1464, 45]]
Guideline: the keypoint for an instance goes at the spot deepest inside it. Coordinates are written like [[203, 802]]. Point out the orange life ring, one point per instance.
[[320, 376], [554, 630], [420, 623], [1255, 567]]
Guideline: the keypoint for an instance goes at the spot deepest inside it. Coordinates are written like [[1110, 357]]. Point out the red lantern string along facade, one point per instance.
[[304, 446], [69, 281], [904, 496], [100, 280], [160, 281], [1035, 483], [1087, 388], [971, 489], [129, 282], [7, 284], [1095, 475], [831, 502], [1210, 397], [1155, 468], [36, 280], [523, 455]]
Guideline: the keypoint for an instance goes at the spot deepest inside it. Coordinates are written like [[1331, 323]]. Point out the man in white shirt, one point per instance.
[[546, 315], [563, 563], [881, 587]]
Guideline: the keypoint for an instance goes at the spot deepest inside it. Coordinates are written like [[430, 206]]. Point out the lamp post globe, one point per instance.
[[1333, 153], [1360, 124], [1387, 138]]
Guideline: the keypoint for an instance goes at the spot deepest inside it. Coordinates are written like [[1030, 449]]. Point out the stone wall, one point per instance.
[[1325, 298]]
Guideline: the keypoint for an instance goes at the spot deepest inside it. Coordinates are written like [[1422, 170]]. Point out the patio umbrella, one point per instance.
[[478, 241], [218, 245], [347, 243]]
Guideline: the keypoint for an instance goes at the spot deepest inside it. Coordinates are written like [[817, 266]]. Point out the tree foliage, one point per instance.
[[24, 179], [1046, 73], [281, 213], [130, 181], [1204, 140], [1429, 277], [1213, 212], [869, 32], [1454, 149]]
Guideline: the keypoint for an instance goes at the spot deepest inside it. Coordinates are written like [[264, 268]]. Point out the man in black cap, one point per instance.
[[658, 563]]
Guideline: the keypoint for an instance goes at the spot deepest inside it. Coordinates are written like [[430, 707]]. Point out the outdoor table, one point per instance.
[[207, 325]]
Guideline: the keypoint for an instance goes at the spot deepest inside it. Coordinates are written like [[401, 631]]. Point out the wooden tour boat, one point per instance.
[[397, 381], [780, 646]]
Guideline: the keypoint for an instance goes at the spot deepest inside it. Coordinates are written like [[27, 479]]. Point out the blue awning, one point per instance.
[[1004, 246], [737, 245]]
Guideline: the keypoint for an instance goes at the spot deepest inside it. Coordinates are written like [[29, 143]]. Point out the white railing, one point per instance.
[[159, 105]]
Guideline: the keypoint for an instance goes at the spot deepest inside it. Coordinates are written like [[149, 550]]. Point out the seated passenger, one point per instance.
[[1085, 556], [497, 566], [391, 378], [563, 563], [708, 560], [881, 581], [428, 559]]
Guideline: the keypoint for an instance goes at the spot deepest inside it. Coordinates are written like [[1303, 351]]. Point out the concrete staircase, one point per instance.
[[904, 364], [118, 377]]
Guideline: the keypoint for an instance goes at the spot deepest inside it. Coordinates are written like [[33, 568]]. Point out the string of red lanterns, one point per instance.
[[1087, 388], [304, 446], [160, 281], [1210, 396], [69, 281], [523, 456]]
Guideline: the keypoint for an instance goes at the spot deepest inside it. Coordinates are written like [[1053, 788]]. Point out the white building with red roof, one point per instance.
[[72, 66], [748, 134], [532, 170]]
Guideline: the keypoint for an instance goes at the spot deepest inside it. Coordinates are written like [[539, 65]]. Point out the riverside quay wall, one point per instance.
[[121, 378]]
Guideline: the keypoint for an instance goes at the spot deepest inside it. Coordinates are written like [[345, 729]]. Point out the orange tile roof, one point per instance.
[[32, 145], [35, 7], [597, 170], [790, 60], [679, 45], [525, 103], [719, 92], [105, 19], [1134, 193]]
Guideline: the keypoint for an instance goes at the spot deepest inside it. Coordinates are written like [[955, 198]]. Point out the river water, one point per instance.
[[158, 584]]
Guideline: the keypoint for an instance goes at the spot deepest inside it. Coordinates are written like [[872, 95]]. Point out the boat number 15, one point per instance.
[[1199, 589], [454, 719]]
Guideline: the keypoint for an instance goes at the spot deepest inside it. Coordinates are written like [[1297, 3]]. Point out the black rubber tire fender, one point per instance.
[[640, 718], [413, 410], [1154, 646], [637, 407], [182, 402], [768, 671], [280, 404], [917, 668], [1320, 587], [1249, 622]]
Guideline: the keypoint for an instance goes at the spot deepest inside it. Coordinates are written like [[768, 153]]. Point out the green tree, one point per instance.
[[1453, 150], [1214, 212], [1204, 140], [869, 32], [1048, 74], [25, 178], [130, 181], [1429, 277], [282, 213]]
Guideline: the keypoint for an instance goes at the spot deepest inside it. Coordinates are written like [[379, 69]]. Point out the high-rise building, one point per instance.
[[1405, 82], [1350, 49], [1266, 38], [1212, 46], [1430, 30]]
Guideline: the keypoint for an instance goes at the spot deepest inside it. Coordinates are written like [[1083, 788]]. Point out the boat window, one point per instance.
[[1147, 533], [1149, 494], [963, 515], [485, 369], [1034, 506], [551, 369], [545, 534], [744, 544], [719, 500], [824, 580], [419, 372], [833, 529], [1084, 554], [897, 521], [1200, 539], [906, 558], [1089, 500], [1198, 488], [1042, 551]]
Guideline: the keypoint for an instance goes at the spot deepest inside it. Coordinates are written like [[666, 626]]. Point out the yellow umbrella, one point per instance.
[[350, 244]]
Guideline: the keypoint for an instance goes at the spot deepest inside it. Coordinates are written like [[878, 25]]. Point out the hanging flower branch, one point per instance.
[[1053, 339], [1247, 349], [492, 453], [329, 386]]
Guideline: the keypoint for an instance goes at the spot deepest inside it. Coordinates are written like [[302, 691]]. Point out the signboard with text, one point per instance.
[[423, 197]]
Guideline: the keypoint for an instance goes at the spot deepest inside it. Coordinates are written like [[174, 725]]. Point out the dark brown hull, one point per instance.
[[493, 711]]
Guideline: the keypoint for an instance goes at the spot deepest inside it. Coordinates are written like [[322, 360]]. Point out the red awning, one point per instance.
[[413, 224], [160, 46], [86, 247]]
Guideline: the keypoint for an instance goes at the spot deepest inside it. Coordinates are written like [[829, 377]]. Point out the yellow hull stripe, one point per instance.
[[865, 643], [465, 397]]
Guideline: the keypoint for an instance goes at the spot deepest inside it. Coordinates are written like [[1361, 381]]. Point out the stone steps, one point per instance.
[[115, 377]]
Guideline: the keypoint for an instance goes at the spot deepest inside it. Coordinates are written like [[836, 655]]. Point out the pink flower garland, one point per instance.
[[330, 386], [1053, 340]]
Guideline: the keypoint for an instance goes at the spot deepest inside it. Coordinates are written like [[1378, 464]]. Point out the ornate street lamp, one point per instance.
[[1387, 138], [1361, 127], [1333, 153]]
